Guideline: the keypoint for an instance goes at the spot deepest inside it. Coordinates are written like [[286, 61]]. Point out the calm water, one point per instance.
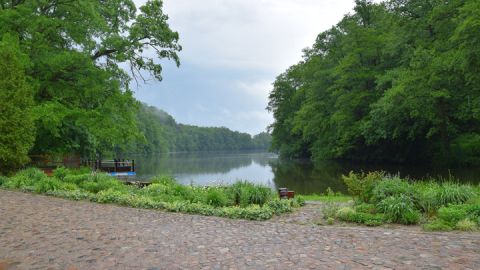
[[267, 169]]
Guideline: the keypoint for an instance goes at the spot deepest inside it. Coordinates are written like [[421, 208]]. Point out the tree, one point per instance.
[[17, 132], [395, 81], [83, 102]]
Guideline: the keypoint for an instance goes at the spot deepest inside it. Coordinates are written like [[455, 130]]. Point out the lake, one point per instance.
[[266, 168]]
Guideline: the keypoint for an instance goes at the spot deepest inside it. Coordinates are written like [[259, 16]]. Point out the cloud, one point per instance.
[[233, 50]]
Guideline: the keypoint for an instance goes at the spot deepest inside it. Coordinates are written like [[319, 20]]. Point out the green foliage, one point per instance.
[[255, 202], [245, 193], [452, 214], [393, 81], [25, 178], [330, 209], [437, 225], [426, 196], [392, 187], [216, 198], [361, 185], [17, 131], [61, 172], [161, 133], [466, 225], [350, 215], [49, 184], [75, 50], [280, 206], [366, 208], [454, 193], [399, 209]]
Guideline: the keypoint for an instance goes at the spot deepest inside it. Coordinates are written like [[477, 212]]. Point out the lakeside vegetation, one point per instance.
[[395, 81], [381, 199], [240, 200]]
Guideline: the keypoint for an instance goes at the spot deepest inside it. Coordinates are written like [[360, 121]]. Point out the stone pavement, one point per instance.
[[39, 232]]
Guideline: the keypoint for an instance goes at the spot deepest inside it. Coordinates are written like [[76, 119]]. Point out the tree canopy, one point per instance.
[[394, 81], [76, 54]]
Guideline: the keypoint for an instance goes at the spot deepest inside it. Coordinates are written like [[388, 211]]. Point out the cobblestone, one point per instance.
[[39, 232]]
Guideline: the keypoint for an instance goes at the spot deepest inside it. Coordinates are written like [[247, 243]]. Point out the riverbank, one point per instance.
[[39, 232]]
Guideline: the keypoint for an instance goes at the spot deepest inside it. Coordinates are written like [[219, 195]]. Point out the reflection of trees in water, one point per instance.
[[192, 163], [305, 178]]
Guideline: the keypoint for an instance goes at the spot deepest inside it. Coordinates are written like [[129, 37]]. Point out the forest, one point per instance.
[[396, 81], [67, 70], [161, 133]]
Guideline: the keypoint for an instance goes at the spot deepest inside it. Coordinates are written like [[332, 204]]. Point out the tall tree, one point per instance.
[[17, 132], [82, 95]]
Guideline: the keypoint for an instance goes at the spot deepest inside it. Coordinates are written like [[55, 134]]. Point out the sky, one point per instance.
[[232, 52]]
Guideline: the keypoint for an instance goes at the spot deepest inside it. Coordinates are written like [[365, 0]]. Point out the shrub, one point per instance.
[[100, 181], [466, 225], [48, 184], [345, 213], [298, 201], [216, 197], [366, 208], [244, 193], [361, 185], [61, 172], [399, 209], [330, 221], [452, 193], [279, 206], [391, 187], [25, 178], [426, 196], [330, 209], [3, 179], [437, 225], [453, 213], [350, 215], [76, 179]]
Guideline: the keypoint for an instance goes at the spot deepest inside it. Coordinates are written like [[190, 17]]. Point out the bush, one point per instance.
[[361, 185], [330, 209], [391, 187], [452, 193], [216, 197], [366, 208], [466, 225], [61, 172], [280, 206], [48, 184], [101, 181], [345, 213], [76, 179], [298, 201], [426, 196], [3, 179], [399, 209], [453, 213], [350, 215], [244, 194], [25, 178]]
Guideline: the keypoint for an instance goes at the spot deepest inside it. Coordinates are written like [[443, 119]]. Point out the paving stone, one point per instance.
[[39, 232]]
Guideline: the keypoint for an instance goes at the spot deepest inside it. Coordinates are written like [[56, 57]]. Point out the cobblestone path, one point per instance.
[[38, 232]]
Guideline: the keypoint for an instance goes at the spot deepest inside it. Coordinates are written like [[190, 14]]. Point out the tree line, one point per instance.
[[396, 81], [161, 133], [66, 69]]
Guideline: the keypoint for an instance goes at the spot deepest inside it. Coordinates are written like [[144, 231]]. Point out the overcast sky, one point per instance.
[[232, 52]]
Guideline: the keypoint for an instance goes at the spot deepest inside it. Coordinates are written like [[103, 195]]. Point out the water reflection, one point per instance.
[[267, 169]]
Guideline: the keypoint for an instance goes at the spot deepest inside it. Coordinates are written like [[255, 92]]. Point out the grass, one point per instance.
[[241, 200], [327, 198], [437, 206]]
